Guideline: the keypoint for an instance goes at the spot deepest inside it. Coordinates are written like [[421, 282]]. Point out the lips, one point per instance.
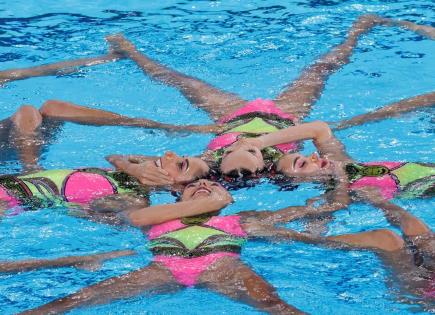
[[323, 163]]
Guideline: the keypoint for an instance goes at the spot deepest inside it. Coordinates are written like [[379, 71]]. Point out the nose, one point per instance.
[[203, 182], [170, 155], [314, 157]]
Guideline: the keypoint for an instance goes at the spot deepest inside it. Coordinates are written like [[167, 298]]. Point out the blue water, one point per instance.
[[253, 49]]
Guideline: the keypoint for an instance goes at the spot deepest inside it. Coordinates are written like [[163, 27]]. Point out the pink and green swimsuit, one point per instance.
[[255, 118], [65, 186], [187, 247], [394, 179]]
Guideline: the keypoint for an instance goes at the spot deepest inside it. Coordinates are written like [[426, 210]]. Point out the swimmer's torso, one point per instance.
[[255, 118], [394, 179], [57, 187], [197, 236]]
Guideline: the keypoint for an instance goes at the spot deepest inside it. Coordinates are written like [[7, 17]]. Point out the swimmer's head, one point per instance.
[[203, 188], [183, 169], [300, 166], [241, 159]]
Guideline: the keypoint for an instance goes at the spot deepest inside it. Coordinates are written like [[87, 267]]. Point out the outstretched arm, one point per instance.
[[391, 110], [162, 213], [88, 261], [396, 215]]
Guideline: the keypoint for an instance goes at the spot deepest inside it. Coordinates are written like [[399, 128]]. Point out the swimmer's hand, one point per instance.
[[148, 173], [221, 197]]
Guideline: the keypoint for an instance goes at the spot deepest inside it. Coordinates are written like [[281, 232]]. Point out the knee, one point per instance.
[[51, 108], [27, 117], [389, 240]]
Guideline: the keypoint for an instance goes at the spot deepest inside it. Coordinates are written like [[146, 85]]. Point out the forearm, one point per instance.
[[317, 131], [162, 213]]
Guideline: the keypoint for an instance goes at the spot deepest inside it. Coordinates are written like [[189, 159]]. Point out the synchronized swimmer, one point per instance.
[[192, 244]]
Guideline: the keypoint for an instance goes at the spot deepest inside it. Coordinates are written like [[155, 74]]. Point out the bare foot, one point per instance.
[[119, 44]]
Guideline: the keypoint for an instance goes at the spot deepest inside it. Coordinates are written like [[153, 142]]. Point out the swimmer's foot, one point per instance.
[[119, 45], [94, 262], [364, 24]]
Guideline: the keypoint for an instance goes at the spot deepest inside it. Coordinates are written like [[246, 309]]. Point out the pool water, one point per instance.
[[252, 48]]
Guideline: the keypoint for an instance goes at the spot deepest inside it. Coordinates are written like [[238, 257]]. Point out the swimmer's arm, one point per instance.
[[395, 215], [87, 262], [291, 213], [143, 168], [162, 213], [318, 131]]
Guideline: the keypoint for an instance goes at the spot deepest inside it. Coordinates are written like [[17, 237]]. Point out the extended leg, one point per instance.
[[230, 277], [299, 97], [63, 67], [65, 111], [151, 279], [87, 262], [214, 101], [21, 132], [391, 110]]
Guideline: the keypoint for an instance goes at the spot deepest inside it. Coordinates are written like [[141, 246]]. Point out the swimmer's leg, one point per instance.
[[90, 262], [300, 96], [216, 102], [23, 135], [65, 111], [231, 277], [58, 68], [151, 279], [388, 111], [382, 239]]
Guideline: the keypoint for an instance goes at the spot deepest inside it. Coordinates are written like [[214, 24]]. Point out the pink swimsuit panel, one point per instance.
[[386, 184], [186, 271], [82, 187], [256, 106]]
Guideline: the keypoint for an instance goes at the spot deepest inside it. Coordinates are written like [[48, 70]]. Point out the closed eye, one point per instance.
[[252, 151]]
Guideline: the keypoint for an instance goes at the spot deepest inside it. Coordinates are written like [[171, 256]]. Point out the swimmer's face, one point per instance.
[[182, 169], [202, 188], [298, 165], [241, 158]]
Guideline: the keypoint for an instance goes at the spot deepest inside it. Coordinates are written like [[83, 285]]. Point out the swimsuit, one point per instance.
[[255, 118], [187, 247], [394, 179], [60, 187]]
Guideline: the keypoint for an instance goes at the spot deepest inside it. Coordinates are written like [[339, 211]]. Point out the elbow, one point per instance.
[[322, 130]]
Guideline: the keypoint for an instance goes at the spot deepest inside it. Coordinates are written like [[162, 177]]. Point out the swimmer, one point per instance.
[[235, 117], [411, 256], [88, 262], [201, 249]]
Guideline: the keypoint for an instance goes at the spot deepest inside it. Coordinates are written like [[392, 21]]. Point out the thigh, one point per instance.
[[231, 277]]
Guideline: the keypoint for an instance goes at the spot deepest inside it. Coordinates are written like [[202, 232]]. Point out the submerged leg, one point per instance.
[[391, 110], [216, 102], [299, 97], [58, 68], [65, 111], [90, 262], [23, 135], [151, 279], [230, 277]]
